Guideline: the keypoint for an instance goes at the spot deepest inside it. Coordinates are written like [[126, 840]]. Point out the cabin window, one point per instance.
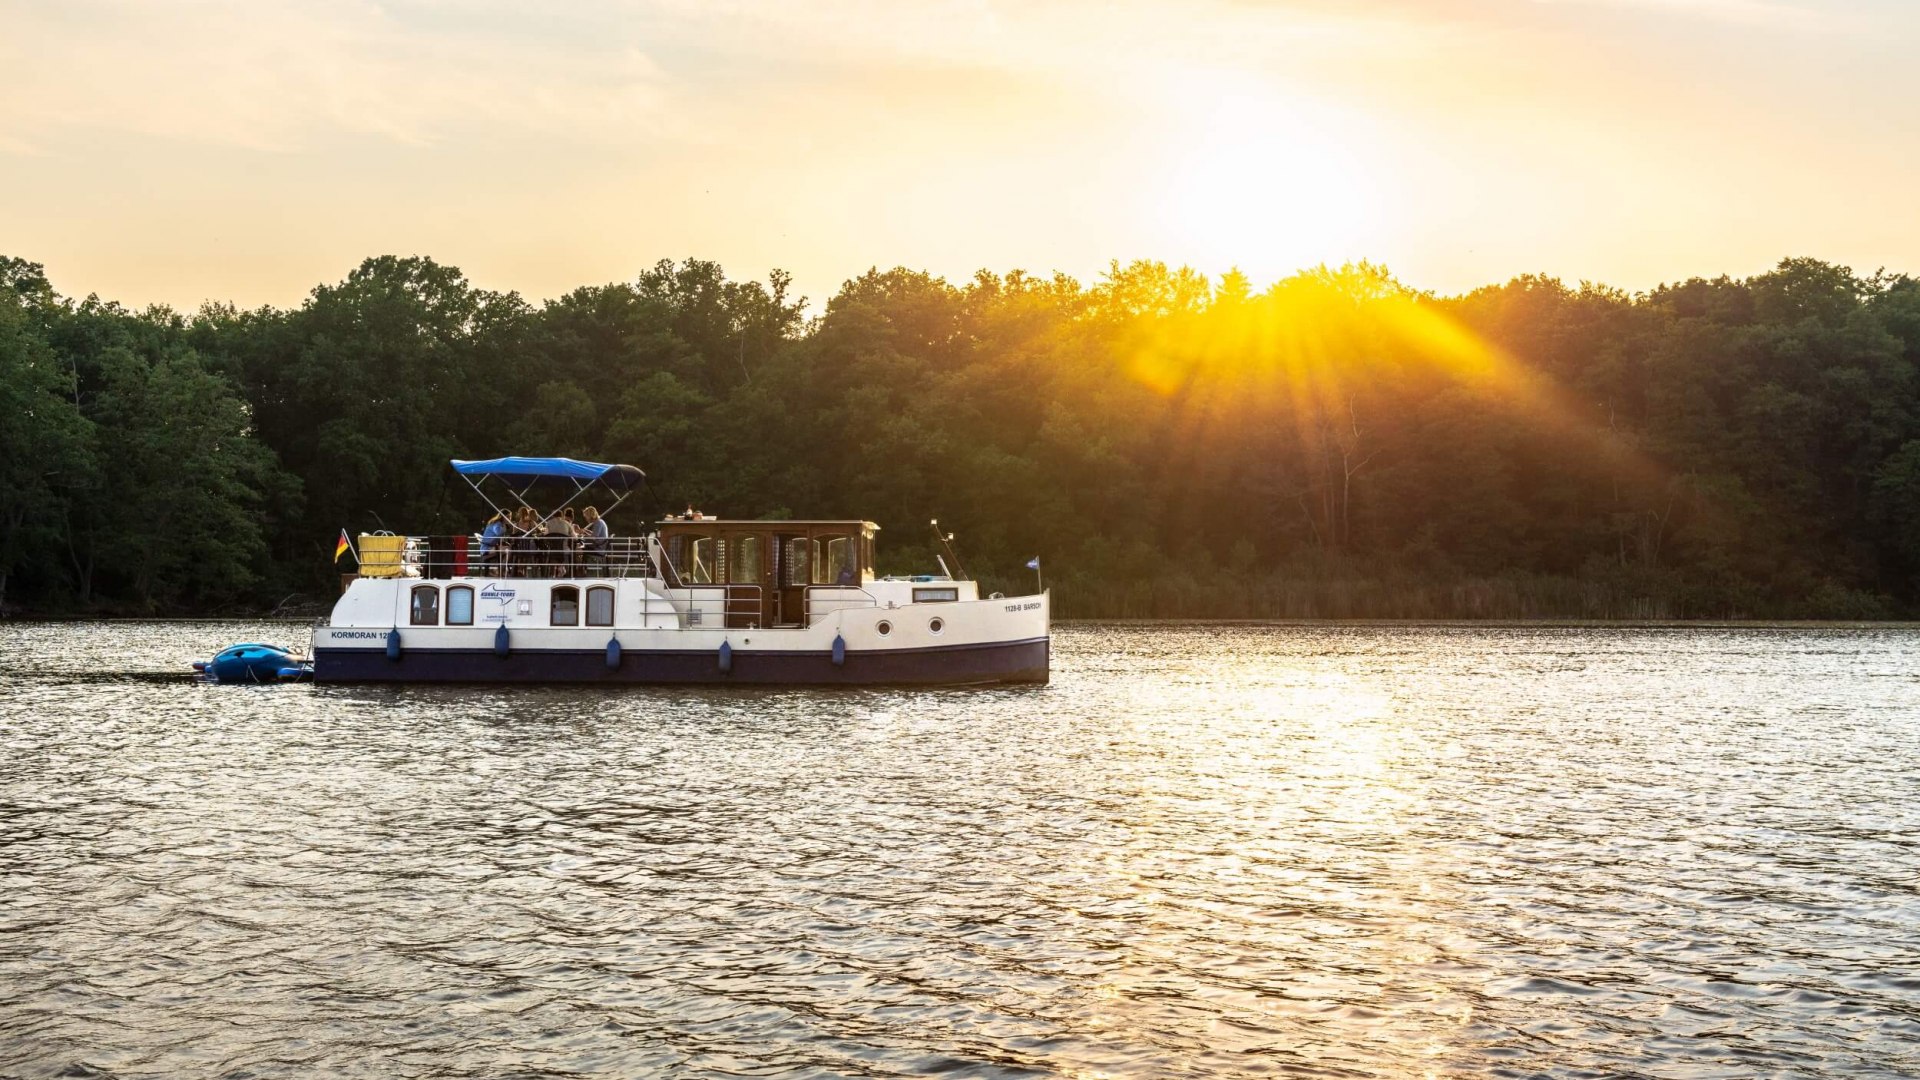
[[797, 562], [566, 606], [936, 596], [600, 606], [866, 551], [744, 567], [460, 606], [834, 564], [694, 559], [703, 560], [426, 606]]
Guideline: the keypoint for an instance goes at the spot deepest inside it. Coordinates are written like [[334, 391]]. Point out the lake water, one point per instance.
[[1202, 851]]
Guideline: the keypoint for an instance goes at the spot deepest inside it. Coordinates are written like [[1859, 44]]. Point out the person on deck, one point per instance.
[[520, 539], [596, 533], [560, 534], [491, 548]]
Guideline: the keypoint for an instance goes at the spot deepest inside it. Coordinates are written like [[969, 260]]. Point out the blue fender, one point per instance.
[[726, 657], [839, 650], [502, 641], [393, 644], [613, 653]]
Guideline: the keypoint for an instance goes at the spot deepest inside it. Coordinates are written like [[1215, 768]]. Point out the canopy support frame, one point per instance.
[[580, 487]]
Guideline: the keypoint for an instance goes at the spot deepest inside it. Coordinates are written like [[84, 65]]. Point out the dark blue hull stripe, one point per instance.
[[1013, 661]]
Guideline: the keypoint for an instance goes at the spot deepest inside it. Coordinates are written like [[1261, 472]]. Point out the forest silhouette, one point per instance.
[[1338, 445]]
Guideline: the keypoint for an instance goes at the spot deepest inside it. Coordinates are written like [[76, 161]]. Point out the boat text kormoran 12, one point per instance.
[[697, 600]]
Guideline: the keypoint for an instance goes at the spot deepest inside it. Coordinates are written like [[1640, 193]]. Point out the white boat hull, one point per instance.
[[660, 635]]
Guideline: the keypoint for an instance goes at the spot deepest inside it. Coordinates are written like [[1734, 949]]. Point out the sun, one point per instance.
[[1265, 181]]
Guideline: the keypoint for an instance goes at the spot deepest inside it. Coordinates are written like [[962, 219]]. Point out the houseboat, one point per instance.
[[693, 600]]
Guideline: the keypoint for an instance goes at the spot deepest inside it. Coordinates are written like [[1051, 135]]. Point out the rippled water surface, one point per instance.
[[1202, 851]]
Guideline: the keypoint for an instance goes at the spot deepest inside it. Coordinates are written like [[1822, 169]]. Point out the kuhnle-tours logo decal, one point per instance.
[[500, 596]]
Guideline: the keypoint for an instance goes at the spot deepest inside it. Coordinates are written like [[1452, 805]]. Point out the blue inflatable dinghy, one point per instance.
[[254, 663]]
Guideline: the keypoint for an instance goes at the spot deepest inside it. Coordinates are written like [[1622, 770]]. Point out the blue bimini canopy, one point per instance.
[[557, 468], [521, 476]]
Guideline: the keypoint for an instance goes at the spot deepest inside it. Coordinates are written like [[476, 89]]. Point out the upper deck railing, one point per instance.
[[439, 557]]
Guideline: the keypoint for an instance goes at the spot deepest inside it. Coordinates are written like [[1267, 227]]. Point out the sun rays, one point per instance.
[[1324, 367]]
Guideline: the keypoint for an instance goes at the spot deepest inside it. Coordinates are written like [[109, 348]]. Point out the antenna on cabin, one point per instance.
[[945, 540]]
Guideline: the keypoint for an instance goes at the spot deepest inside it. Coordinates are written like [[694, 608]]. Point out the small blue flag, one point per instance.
[[1033, 563]]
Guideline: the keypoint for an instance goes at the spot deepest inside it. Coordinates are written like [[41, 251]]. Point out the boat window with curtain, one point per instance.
[[460, 606], [600, 606], [566, 606], [426, 606]]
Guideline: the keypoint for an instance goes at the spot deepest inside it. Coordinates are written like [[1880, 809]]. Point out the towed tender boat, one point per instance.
[[696, 600], [254, 662]]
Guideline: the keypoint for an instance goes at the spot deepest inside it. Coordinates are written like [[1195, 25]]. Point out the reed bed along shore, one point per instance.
[[1509, 598]]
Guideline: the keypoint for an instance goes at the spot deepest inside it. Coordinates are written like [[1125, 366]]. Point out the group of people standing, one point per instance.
[[522, 544]]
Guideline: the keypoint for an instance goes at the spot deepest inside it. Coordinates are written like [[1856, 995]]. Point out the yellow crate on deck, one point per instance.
[[382, 556]]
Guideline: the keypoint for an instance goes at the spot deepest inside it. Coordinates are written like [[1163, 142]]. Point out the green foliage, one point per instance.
[[1336, 445], [179, 523], [131, 476], [45, 442]]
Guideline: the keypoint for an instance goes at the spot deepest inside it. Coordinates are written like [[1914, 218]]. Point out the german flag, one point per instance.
[[342, 547]]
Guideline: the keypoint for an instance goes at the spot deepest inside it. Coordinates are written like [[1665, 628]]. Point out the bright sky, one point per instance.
[[247, 150]]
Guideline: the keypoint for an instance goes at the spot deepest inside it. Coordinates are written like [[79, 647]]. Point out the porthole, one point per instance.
[[936, 625], [883, 628]]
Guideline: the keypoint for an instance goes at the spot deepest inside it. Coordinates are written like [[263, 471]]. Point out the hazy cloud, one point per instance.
[[277, 76]]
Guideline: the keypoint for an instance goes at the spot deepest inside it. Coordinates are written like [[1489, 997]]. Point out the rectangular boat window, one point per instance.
[[866, 554], [936, 596], [702, 560], [426, 606], [600, 606], [459, 606], [566, 606], [744, 567], [834, 566], [797, 561]]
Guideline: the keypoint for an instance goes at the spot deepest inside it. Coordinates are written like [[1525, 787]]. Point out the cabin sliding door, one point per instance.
[[747, 584], [787, 580]]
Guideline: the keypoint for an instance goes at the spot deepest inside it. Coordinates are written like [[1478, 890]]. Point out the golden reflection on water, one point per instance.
[[1268, 819]]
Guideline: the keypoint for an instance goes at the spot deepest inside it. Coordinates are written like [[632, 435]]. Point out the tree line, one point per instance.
[[1171, 445]]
